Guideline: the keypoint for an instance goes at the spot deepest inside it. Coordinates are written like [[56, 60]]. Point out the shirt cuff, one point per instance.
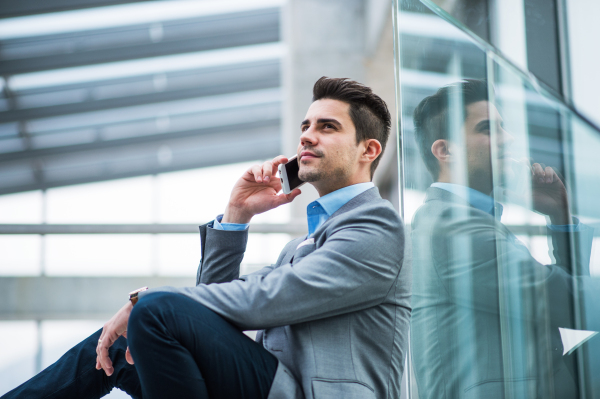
[[566, 228], [217, 225]]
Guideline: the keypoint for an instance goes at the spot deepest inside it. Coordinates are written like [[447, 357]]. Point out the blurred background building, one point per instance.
[[124, 124]]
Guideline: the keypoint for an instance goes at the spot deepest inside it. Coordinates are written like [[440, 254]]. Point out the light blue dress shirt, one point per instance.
[[320, 210], [487, 204], [317, 211]]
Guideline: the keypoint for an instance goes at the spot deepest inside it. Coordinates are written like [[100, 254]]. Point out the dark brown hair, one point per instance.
[[368, 111], [431, 116]]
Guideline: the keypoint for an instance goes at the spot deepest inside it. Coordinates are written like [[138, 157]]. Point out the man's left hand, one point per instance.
[[111, 331]]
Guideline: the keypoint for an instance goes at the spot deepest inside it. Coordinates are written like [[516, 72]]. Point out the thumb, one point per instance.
[[287, 198], [128, 356]]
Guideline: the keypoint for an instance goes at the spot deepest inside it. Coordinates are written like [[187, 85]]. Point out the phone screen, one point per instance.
[[291, 168]]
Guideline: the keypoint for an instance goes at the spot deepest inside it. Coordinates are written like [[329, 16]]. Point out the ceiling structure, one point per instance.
[[196, 87]]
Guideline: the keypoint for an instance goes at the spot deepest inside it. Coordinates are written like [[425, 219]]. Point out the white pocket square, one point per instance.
[[306, 242]]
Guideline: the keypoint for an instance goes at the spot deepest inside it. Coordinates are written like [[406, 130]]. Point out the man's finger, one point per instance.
[[538, 173], [257, 173], [278, 160], [105, 361], [287, 198], [550, 175], [128, 356], [267, 171]]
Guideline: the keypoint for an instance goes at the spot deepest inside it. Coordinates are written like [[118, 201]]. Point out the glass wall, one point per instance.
[[499, 193]]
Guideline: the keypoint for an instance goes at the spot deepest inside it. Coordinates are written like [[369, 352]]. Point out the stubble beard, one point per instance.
[[310, 176], [323, 172]]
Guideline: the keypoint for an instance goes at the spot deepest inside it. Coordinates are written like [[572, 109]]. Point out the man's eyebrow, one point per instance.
[[320, 121], [329, 120]]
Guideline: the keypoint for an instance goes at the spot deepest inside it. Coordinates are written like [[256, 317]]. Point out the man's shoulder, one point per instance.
[[370, 211], [367, 202]]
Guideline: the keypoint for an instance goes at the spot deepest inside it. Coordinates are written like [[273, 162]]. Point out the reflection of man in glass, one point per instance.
[[485, 313]]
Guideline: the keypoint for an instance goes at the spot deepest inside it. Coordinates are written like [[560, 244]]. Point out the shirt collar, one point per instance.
[[335, 200], [477, 199]]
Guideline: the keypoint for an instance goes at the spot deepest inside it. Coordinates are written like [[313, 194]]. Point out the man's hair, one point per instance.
[[431, 117], [368, 111]]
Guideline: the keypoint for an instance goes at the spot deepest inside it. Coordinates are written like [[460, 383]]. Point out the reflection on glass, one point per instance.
[[500, 196]]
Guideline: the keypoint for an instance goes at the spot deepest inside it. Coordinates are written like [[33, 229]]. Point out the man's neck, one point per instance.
[[324, 189], [482, 188]]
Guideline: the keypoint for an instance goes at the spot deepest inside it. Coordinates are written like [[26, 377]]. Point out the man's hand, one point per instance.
[[112, 330], [549, 194], [256, 192], [548, 191]]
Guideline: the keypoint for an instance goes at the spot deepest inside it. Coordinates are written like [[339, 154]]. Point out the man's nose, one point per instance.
[[506, 137], [308, 137]]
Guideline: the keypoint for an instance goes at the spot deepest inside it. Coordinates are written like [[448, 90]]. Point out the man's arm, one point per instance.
[[354, 269], [222, 253], [255, 192]]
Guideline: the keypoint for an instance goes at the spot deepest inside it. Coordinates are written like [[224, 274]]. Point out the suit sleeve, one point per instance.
[[221, 254], [353, 269]]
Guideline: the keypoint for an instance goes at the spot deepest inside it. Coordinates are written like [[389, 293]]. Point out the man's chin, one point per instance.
[[309, 176]]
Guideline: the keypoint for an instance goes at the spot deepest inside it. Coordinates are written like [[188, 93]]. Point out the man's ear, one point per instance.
[[372, 150], [441, 150]]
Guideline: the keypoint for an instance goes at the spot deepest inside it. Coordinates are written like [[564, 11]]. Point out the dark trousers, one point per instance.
[[181, 349]]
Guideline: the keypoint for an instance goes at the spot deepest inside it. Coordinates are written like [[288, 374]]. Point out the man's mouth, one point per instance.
[[306, 155]]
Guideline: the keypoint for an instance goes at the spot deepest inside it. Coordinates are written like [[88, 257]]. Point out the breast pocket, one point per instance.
[[302, 252]]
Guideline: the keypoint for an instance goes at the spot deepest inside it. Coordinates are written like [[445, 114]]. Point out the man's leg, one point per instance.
[[182, 349], [75, 376]]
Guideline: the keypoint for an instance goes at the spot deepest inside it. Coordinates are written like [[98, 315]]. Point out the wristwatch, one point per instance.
[[133, 295]]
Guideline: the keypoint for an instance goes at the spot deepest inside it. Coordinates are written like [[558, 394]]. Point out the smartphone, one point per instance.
[[288, 173]]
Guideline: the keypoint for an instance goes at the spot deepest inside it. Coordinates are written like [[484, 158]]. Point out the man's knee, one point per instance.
[[163, 308], [152, 309]]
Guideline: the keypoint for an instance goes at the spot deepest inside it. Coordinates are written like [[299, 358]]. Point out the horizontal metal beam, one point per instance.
[[246, 77], [131, 42], [47, 298], [141, 159], [296, 229], [10, 9], [152, 137]]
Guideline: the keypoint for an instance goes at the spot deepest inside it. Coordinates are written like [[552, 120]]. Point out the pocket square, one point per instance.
[[306, 242]]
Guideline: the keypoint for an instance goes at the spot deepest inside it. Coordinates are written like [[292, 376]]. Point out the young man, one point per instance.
[[486, 314], [333, 310]]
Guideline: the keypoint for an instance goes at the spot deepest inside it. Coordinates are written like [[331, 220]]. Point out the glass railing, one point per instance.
[[499, 190]]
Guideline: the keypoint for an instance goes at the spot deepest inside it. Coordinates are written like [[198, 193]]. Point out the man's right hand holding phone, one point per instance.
[[257, 192]]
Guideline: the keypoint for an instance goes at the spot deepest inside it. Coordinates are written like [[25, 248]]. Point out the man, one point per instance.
[[486, 314], [333, 309]]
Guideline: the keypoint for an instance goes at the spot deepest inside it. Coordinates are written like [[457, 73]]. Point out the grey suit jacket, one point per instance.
[[485, 312], [334, 312]]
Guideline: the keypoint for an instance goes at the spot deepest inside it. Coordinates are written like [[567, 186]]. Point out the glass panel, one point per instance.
[[21, 255], [117, 201], [178, 254], [499, 193], [21, 208], [99, 255]]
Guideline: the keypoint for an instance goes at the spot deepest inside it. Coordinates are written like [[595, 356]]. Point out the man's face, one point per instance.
[[328, 153], [479, 144]]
